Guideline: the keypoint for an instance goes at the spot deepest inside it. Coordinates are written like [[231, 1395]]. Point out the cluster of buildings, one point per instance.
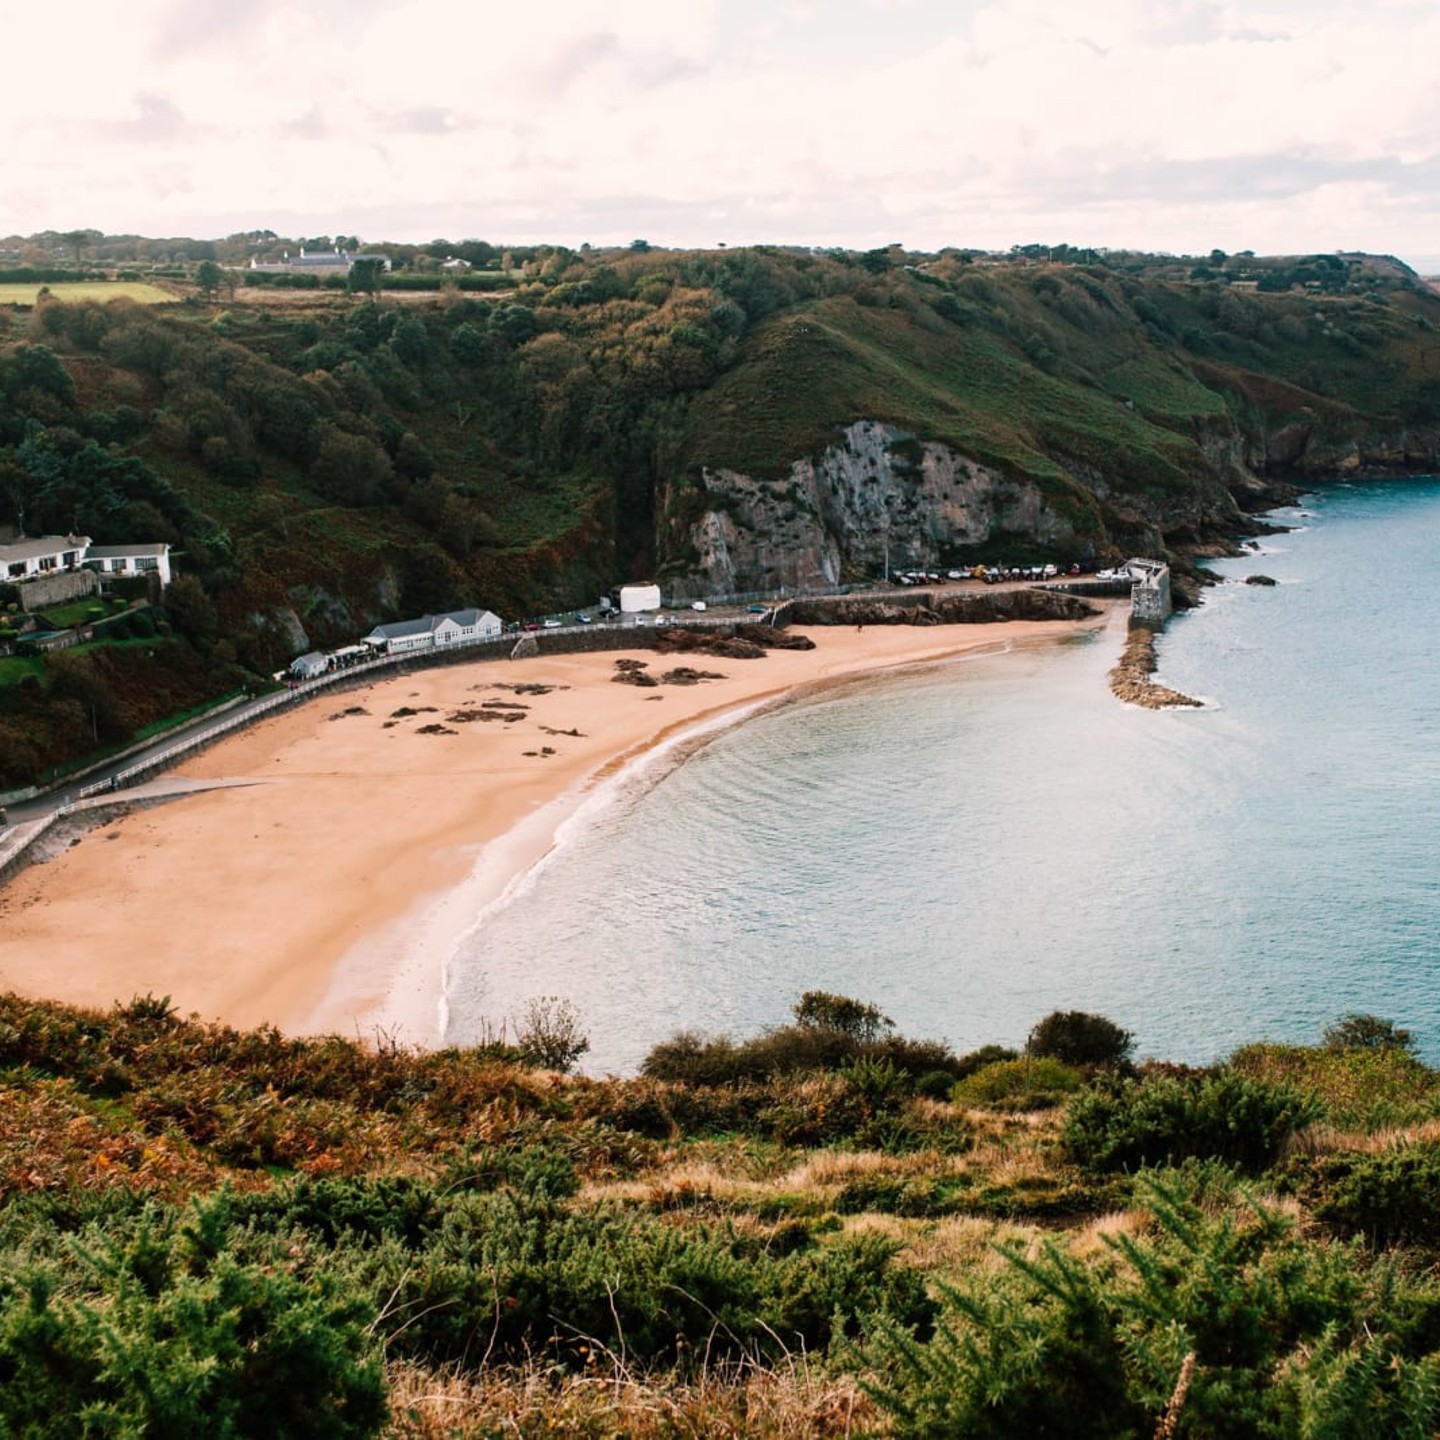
[[315, 262], [403, 637], [26, 564]]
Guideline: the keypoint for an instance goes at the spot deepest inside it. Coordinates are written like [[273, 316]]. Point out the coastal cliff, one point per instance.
[[878, 497]]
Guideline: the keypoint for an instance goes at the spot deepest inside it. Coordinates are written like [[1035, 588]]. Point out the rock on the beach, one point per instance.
[[1259, 580]]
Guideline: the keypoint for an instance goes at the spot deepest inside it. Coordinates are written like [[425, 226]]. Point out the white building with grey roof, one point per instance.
[[435, 632]]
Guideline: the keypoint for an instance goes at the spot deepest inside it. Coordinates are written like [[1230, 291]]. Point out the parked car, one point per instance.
[[552, 624], [697, 604], [583, 618]]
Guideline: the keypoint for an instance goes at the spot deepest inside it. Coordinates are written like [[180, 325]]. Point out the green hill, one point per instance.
[[725, 420]]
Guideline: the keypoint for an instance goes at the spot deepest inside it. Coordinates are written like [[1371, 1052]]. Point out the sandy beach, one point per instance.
[[323, 891]]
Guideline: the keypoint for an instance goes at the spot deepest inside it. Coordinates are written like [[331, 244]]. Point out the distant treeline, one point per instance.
[[483, 280], [48, 275]]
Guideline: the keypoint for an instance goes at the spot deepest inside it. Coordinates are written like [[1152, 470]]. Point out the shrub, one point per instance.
[[986, 1055], [1164, 1119], [1364, 1088], [1216, 1325], [1367, 1032], [548, 1034], [169, 1332], [831, 1033], [1390, 1198], [820, 1010], [1029, 1084], [514, 1273], [1078, 1038]]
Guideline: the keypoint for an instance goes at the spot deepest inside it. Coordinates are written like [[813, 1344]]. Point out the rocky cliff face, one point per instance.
[[1302, 449], [882, 495], [878, 492]]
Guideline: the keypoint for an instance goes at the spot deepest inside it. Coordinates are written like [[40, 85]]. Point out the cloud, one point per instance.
[[158, 120], [1125, 122]]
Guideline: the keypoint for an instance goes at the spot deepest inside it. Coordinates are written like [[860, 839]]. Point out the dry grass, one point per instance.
[[1325, 1139], [956, 1247], [137, 290], [793, 1402]]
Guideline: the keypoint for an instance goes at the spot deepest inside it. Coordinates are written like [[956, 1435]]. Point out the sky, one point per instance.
[[1170, 125]]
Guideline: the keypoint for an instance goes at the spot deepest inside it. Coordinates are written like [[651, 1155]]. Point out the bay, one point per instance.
[[972, 845]]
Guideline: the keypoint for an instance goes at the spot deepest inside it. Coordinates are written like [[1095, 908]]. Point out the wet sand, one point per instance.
[[324, 894]]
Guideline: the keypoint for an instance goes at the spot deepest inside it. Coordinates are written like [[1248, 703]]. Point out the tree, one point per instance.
[[77, 240], [208, 279], [192, 612], [840, 1015], [349, 468], [365, 277], [548, 1034], [1354, 1031], [1078, 1038]]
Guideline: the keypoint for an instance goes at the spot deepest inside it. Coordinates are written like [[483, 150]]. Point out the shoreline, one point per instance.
[[380, 827]]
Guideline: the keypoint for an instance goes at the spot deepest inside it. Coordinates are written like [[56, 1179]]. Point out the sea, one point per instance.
[[974, 844]]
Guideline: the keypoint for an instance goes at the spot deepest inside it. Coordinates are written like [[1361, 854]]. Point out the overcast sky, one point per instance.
[[1158, 124]]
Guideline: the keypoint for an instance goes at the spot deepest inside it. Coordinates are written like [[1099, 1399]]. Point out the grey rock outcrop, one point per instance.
[[877, 493]]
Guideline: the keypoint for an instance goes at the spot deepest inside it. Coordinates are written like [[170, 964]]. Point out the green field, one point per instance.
[[87, 290]]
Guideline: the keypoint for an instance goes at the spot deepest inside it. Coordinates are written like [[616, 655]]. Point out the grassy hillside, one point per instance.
[[823, 1230], [322, 461]]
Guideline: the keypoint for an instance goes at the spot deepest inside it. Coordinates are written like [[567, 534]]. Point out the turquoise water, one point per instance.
[[973, 845]]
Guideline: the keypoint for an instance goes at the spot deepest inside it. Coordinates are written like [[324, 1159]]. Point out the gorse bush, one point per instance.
[[1392, 1197], [170, 1332], [1360, 1086], [516, 1272], [1163, 1119], [1223, 1326], [1022, 1084]]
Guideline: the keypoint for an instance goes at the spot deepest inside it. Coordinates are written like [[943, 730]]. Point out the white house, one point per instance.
[[52, 554], [112, 560], [47, 555], [309, 665], [635, 598], [429, 632], [315, 262], [465, 627]]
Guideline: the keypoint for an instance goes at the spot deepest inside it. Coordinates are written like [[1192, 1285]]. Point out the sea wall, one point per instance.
[[931, 607]]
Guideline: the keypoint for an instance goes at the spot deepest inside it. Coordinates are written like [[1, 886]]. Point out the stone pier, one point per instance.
[[1150, 604]]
